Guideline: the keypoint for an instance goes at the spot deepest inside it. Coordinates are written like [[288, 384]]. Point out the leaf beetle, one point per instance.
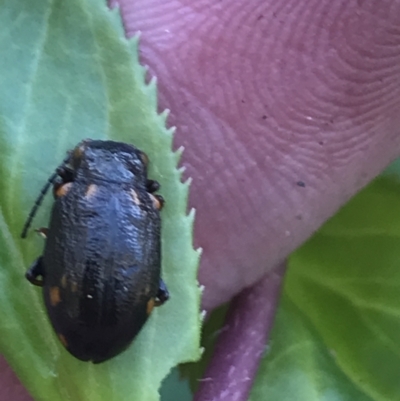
[[101, 265]]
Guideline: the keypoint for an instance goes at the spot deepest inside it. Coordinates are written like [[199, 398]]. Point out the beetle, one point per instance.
[[101, 265]]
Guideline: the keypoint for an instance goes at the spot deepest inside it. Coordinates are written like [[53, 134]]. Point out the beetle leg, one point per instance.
[[162, 294], [43, 231], [152, 186], [66, 173], [34, 271]]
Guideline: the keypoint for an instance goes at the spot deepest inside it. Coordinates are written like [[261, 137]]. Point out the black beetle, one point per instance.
[[100, 269]]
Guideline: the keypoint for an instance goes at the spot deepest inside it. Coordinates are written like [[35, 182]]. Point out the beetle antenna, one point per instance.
[[41, 196]]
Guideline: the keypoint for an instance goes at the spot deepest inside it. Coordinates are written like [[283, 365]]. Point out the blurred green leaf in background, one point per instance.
[[337, 333], [68, 73]]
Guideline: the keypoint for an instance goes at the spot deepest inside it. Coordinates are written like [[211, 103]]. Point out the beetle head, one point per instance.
[[109, 161]]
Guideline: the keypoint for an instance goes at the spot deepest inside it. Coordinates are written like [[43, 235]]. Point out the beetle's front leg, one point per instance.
[[152, 186], [35, 271], [162, 294], [66, 173], [62, 183], [42, 231]]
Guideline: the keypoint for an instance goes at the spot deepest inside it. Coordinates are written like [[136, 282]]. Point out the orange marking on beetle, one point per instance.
[[91, 190], [135, 197], [64, 281], [150, 305], [63, 190], [156, 203], [55, 298], [63, 340]]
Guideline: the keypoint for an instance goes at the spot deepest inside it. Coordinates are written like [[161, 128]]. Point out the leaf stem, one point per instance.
[[241, 344]]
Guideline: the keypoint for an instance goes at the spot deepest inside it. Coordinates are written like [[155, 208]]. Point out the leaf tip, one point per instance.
[[203, 315], [192, 213], [136, 37], [180, 150], [171, 131], [165, 113], [178, 154], [152, 85], [187, 182]]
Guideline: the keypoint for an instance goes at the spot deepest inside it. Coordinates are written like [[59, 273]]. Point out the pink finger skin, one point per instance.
[[286, 109], [241, 343], [11, 388]]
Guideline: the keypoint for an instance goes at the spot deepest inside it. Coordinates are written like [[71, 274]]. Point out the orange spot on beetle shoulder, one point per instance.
[[63, 189], [150, 305], [91, 190], [156, 202], [63, 340], [55, 298]]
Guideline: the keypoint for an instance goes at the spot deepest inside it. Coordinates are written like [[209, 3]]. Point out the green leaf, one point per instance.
[[337, 332], [299, 366], [212, 326], [68, 73]]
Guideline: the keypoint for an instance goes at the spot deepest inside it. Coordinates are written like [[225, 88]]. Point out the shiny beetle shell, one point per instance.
[[100, 269]]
